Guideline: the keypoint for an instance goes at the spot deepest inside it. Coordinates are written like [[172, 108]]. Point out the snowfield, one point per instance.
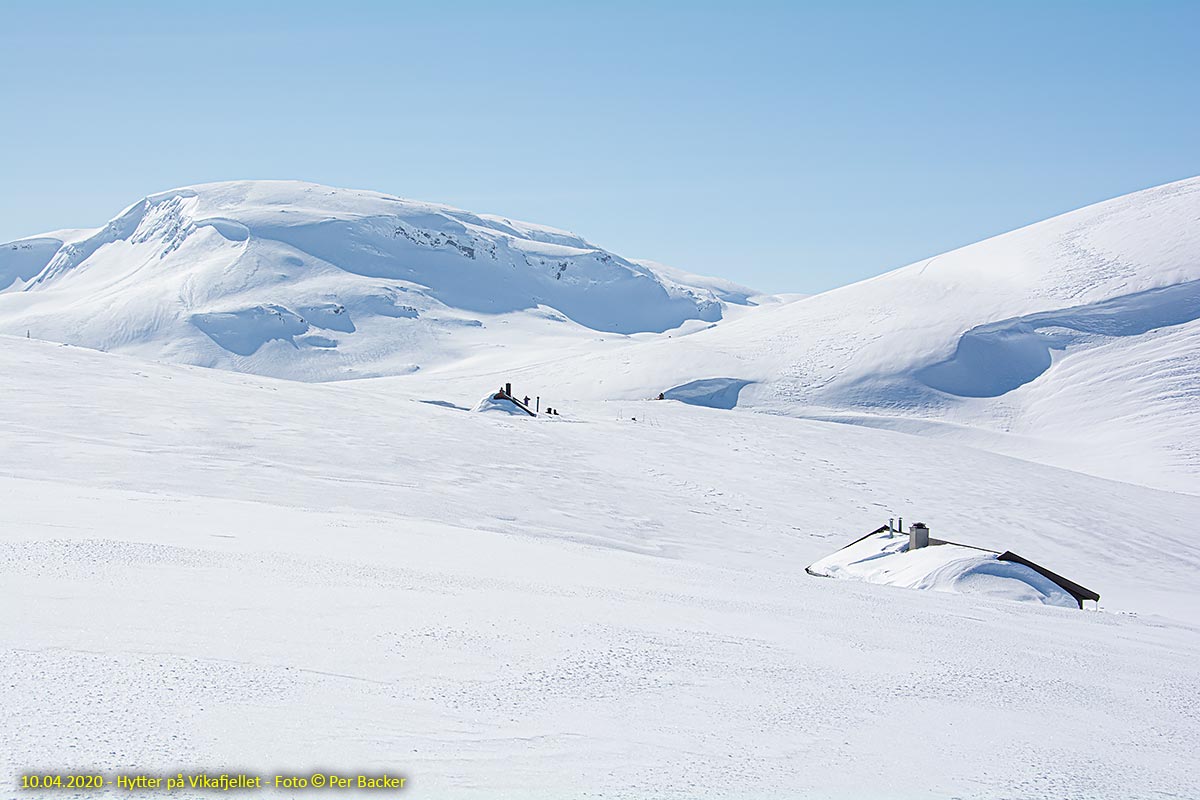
[[203, 568], [276, 567]]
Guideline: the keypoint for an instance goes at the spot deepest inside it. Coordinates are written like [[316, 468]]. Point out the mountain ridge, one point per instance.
[[215, 273]]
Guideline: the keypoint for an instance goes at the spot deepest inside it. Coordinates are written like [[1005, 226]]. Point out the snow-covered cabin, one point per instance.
[[505, 402], [917, 561]]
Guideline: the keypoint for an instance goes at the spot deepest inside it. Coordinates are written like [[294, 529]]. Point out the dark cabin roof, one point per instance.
[[1080, 593], [503, 395]]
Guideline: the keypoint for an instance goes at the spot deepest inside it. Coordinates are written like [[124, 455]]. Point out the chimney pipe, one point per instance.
[[508, 389], [918, 536]]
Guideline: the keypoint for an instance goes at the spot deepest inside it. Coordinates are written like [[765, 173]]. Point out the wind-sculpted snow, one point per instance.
[[612, 601], [459, 267], [994, 359], [1075, 341], [187, 274], [710, 392], [22, 261], [72, 255], [244, 332]]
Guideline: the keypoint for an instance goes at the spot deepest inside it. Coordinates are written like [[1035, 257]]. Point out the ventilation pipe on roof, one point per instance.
[[918, 536]]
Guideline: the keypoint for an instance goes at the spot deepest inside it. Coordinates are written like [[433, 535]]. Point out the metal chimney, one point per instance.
[[918, 536]]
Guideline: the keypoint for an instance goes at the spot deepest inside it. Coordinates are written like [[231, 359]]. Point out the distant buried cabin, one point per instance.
[[917, 561]]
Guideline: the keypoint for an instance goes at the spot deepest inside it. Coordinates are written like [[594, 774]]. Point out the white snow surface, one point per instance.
[[207, 569], [268, 566], [310, 282], [489, 404], [885, 558], [1074, 342]]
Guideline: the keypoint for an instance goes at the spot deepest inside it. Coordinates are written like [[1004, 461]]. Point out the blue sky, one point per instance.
[[790, 146]]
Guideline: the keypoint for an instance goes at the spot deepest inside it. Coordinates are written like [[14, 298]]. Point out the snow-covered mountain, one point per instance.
[[1074, 341], [364, 574], [304, 281]]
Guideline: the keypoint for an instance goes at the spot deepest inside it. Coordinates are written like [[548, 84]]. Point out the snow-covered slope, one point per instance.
[[201, 569], [305, 281], [1075, 341]]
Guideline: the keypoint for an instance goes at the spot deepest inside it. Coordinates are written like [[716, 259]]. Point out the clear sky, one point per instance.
[[790, 146]]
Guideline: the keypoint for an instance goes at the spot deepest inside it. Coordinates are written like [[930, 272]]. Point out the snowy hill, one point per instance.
[[206, 568], [1075, 341], [304, 281], [209, 567]]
